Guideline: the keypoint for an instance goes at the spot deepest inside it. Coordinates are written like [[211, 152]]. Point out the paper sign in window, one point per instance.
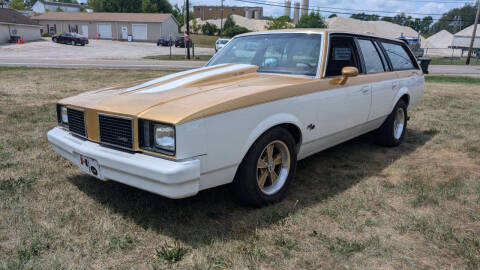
[[342, 54]]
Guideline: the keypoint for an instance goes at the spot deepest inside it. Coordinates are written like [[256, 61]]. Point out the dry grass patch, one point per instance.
[[356, 205]]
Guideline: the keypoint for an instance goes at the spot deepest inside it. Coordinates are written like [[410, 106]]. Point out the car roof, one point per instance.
[[318, 31]]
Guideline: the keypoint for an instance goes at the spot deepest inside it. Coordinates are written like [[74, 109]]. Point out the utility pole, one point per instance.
[[473, 34], [187, 42], [221, 19]]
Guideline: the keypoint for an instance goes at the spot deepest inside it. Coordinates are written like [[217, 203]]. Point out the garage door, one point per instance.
[[104, 30], [139, 31]]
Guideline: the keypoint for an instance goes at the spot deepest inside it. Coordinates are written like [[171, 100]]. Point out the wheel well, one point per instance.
[[406, 99], [295, 131]]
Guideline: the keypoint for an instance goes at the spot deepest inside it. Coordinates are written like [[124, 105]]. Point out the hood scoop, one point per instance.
[[195, 77]]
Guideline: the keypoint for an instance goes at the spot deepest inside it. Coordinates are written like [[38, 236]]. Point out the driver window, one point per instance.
[[342, 54]]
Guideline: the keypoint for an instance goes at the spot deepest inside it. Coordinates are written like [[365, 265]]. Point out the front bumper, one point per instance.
[[172, 179]]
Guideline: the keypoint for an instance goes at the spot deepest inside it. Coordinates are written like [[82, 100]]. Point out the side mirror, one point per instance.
[[346, 73]]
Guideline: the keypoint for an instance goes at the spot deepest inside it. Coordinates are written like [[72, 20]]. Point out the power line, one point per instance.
[[339, 11]]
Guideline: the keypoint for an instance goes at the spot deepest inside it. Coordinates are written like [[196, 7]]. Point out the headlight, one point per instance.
[[62, 115], [156, 137], [164, 137]]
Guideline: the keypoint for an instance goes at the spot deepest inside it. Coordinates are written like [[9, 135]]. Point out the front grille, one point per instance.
[[76, 122], [116, 131]]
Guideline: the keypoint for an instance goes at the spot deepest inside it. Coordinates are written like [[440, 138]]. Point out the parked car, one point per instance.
[[165, 41], [70, 38], [180, 42], [265, 101], [220, 43]]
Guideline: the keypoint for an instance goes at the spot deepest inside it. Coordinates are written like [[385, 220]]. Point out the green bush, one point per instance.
[[46, 34], [235, 30], [209, 29]]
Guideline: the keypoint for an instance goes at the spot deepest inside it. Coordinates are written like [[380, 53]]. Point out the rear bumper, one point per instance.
[[172, 179]]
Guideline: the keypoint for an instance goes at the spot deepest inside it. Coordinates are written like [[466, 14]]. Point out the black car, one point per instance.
[[180, 42], [70, 38], [165, 41]]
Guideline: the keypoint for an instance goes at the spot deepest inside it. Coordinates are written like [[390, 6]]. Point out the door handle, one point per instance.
[[365, 90]]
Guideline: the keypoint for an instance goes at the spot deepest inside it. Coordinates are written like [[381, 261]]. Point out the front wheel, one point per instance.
[[267, 169], [392, 131]]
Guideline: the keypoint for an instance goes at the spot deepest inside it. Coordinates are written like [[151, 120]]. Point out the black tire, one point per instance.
[[385, 134], [83, 44], [55, 40], [245, 186]]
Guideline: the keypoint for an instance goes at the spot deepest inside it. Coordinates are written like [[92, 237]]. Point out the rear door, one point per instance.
[[382, 79]]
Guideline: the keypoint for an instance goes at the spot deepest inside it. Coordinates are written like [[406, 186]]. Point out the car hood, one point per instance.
[[192, 94]]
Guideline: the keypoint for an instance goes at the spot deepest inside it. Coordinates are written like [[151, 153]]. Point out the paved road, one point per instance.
[[100, 63], [96, 49], [470, 71]]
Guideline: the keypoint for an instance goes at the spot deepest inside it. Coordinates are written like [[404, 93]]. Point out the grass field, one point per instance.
[[354, 206], [455, 61], [204, 40]]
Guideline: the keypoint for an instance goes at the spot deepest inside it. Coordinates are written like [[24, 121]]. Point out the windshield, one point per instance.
[[291, 53], [222, 41]]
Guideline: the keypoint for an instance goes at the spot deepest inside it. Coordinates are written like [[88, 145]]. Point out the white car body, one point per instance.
[[211, 146]]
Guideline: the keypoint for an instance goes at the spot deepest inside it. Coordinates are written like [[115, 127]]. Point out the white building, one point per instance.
[[42, 6], [14, 24]]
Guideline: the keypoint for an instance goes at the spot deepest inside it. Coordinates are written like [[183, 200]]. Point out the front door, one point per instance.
[[85, 30], [124, 32], [343, 108]]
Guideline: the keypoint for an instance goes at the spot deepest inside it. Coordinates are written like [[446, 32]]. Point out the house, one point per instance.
[[13, 23], [42, 6], [105, 25]]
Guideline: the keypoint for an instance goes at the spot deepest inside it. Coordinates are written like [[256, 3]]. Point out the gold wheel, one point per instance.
[[273, 167]]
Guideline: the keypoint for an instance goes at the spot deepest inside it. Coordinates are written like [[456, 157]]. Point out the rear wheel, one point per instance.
[[392, 132], [267, 170]]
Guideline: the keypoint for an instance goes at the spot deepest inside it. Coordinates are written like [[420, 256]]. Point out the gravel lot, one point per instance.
[[96, 49]]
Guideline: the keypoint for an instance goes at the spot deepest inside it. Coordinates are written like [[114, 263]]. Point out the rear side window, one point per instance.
[[371, 58], [398, 56]]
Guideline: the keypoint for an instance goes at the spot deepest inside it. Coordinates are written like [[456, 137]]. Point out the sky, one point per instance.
[[415, 6]]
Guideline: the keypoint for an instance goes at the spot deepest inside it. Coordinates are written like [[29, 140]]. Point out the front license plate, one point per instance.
[[90, 166]]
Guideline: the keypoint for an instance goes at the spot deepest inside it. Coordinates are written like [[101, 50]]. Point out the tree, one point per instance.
[[456, 19], [58, 9], [228, 23], [282, 22], [163, 6], [312, 20], [209, 29], [235, 30], [17, 4], [365, 17], [332, 15], [179, 15], [148, 7]]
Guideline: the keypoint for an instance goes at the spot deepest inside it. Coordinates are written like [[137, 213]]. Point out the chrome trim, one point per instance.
[[84, 122], [111, 144]]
